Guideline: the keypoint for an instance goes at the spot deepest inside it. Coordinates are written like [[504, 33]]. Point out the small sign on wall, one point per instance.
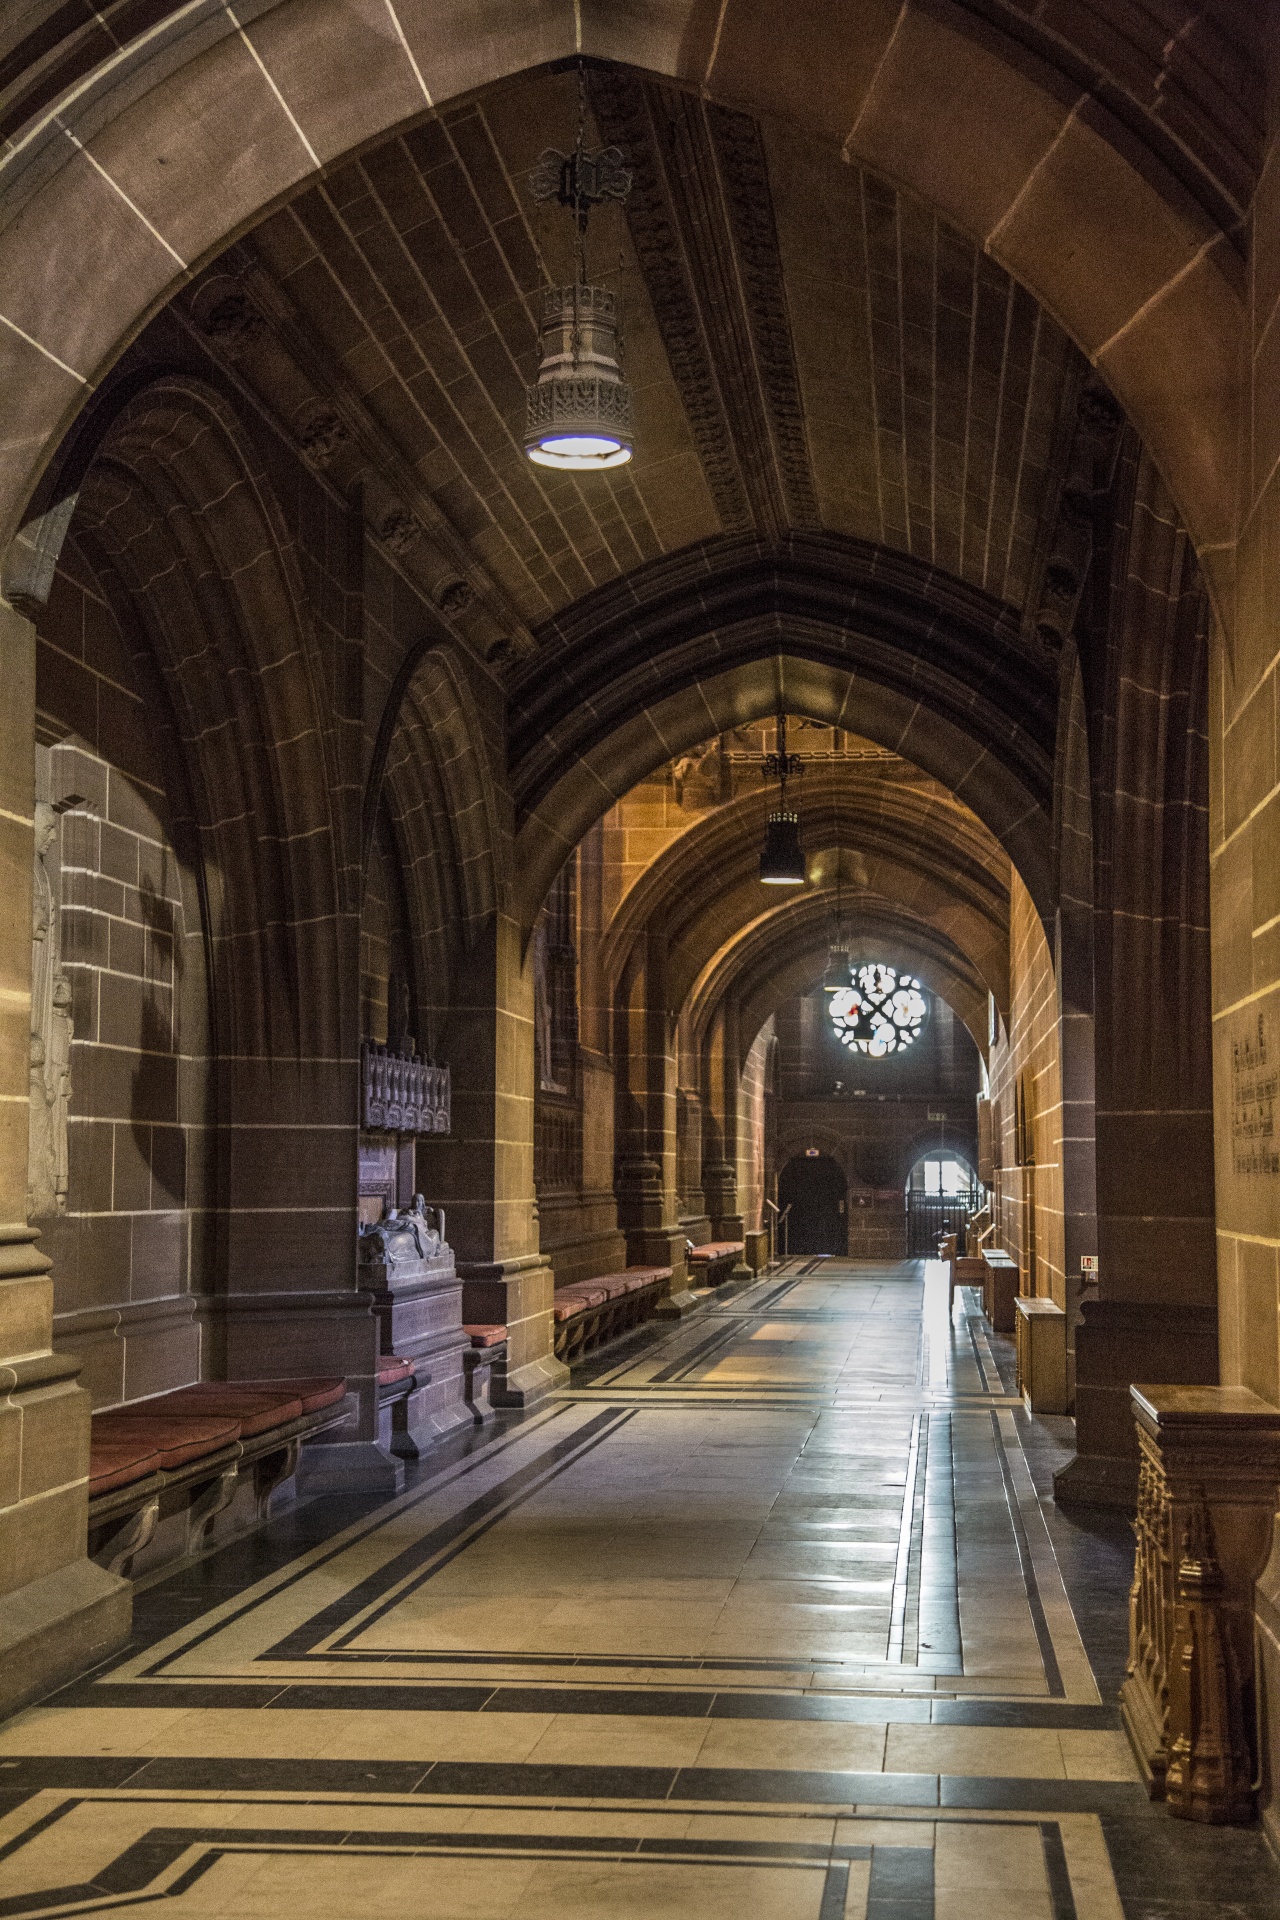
[[1088, 1266], [1254, 1147]]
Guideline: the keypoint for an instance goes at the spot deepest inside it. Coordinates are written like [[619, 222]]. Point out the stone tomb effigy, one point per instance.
[[407, 1265]]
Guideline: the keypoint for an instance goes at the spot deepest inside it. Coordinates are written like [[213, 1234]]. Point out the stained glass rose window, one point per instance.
[[881, 1011]]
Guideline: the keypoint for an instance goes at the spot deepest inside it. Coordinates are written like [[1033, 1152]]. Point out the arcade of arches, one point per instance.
[[341, 745]]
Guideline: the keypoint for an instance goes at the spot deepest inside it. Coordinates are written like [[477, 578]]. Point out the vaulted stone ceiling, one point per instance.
[[891, 849], [809, 348]]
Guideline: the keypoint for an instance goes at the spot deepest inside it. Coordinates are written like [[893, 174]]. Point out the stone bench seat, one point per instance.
[[174, 1437], [255, 1409], [176, 1461], [486, 1336], [323, 1391], [393, 1371], [488, 1346], [588, 1314], [711, 1265]]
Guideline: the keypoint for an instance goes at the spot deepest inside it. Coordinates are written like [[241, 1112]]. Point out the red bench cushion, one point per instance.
[[615, 1285], [256, 1405], [485, 1336], [176, 1440], [323, 1390], [118, 1463], [716, 1250], [392, 1368], [569, 1301]]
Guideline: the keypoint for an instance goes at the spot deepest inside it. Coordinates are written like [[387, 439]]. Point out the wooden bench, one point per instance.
[[713, 1264], [964, 1270], [590, 1313], [178, 1460]]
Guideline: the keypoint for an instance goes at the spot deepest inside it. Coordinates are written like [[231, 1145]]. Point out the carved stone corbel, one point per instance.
[[211, 1500], [270, 1472], [134, 1532]]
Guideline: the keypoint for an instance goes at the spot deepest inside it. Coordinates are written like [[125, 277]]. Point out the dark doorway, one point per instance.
[[817, 1193]]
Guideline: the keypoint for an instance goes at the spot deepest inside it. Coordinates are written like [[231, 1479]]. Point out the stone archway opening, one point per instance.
[[813, 1195], [942, 1191]]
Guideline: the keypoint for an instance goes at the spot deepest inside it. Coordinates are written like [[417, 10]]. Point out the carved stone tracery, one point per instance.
[[51, 1032]]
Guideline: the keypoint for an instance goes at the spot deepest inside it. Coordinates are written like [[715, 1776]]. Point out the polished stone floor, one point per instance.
[[769, 1616]]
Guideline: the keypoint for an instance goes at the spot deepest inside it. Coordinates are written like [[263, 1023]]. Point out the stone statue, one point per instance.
[[406, 1234], [51, 1031]]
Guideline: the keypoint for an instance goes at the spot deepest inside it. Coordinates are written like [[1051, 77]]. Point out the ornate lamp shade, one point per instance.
[[782, 861], [578, 416]]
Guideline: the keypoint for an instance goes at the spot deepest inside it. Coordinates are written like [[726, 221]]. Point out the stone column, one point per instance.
[[1155, 1317], [644, 1068], [720, 1165], [482, 1174], [58, 1612]]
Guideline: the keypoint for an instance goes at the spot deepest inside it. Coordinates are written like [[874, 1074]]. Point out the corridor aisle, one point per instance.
[[765, 1617]]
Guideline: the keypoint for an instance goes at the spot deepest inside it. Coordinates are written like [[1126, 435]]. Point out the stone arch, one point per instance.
[[785, 953], [702, 889], [932, 1140], [230, 640], [839, 632], [156, 157], [432, 777]]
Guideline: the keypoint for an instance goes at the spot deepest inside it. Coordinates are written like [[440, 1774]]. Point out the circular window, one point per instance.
[[881, 1011]]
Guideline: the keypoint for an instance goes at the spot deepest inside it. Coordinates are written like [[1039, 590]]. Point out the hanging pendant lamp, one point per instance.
[[578, 412], [578, 416], [782, 859], [837, 975]]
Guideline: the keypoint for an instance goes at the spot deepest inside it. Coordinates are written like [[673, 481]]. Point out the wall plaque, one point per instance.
[[1254, 1145]]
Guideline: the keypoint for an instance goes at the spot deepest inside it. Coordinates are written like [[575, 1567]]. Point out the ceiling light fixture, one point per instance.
[[782, 859], [578, 413], [837, 975]]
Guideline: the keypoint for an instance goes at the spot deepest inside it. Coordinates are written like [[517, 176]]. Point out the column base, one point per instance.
[[349, 1466], [56, 1627], [426, 1428], [676, 1305], [1097, 1480], [527, 1385], [1118, 1342], [516, 1294]]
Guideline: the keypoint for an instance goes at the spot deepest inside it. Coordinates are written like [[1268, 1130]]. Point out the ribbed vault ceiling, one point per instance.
[[809, 348]]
